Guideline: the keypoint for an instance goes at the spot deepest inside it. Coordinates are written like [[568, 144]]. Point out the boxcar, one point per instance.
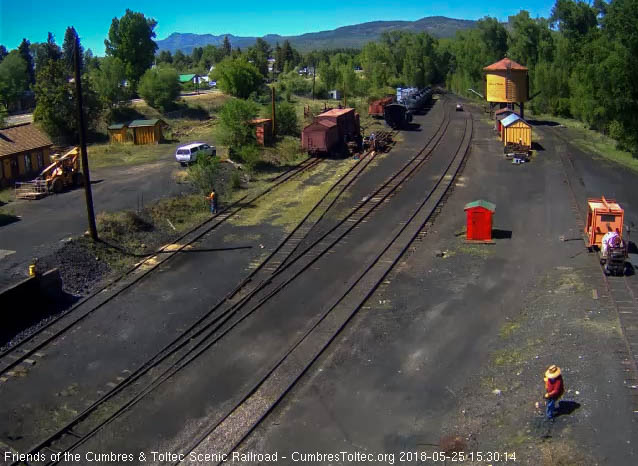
[[376, 108], [320, 137], [347, 121]]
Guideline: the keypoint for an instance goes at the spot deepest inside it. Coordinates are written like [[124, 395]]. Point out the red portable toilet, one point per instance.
[[479, 220]]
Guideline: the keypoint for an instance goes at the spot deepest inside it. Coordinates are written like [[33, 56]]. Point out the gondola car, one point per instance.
[[397, 115]]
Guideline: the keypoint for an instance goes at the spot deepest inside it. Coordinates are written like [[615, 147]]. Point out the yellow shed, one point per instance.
[[118, 132], [516, 131], [147, 131]]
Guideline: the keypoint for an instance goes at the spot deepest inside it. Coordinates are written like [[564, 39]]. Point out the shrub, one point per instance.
[[286, 123], [235, 180], [160, 88], [234, 128], [249, 155], [203, 174]]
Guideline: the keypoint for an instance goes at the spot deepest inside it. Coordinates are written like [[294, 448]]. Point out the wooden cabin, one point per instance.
[[118, 132], [24, 152], [147, 131]]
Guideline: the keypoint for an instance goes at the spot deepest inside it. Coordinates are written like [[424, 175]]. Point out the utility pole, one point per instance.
[[82, 135], [314, 77], [272, 98]]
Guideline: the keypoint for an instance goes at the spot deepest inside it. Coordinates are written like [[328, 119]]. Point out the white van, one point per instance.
[[188, 153]]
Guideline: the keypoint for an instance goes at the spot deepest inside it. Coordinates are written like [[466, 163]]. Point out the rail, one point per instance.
[[221, 324], [17, 354]]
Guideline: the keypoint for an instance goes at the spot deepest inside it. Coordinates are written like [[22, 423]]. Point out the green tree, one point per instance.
[[286, 122], [3, 52], [259, 55], [70, 39], [131, 40], [237, 77], [90, 61], [25, 52], [14, 79], [109, 79], [56, 104], [160, 87], [226, 47], [165, 56], [234, 129]]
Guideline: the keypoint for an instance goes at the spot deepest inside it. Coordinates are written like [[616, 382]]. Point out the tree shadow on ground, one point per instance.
[[501, 234], [7, 219], [537, 146], [542, 123], [125, 115]]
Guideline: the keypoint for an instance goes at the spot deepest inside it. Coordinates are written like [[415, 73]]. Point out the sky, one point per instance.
[[92, 18]]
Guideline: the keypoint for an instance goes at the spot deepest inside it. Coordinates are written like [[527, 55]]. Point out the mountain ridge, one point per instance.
[[351, 36]]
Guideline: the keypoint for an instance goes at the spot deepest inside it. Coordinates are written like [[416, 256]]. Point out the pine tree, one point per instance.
[[226, 47], [25, 53], [70, 38]]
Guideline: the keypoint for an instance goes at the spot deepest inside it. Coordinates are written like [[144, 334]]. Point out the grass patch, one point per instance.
[[477, 250], [182, 212], [289, 203], [508, 329], [592, 141]]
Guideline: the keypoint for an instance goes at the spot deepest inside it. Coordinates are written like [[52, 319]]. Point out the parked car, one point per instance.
[[189, 153], [459, 107]]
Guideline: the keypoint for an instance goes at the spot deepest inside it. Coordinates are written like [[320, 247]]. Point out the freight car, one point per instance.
[[375, 109], [320, 137], [397, 115]]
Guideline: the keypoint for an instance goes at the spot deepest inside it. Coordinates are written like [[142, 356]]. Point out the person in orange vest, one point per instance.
[[554, 389], [212, 200]]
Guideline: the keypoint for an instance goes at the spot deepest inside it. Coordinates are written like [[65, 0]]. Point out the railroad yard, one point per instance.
[[366, 324]]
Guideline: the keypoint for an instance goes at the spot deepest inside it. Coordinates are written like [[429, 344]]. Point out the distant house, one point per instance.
[[335, 94], [185, 78], [147, 131], [24, 152]]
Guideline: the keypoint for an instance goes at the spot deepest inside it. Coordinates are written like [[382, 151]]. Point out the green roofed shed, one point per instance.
[[184, 78], [118, 132], [480, 203], [147, 131]]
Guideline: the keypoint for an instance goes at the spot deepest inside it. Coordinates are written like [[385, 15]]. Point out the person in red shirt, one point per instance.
[[554, 389]]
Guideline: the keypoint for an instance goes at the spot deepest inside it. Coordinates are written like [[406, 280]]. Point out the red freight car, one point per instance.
[[322, 136], [347, 121], [376, 108]]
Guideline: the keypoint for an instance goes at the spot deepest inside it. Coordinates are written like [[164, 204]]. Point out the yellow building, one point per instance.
[[515, 130], [24, 152], [147, 131], [118, 132]]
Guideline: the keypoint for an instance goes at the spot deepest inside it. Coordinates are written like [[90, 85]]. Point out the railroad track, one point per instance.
[[226, 435], [217, 322], [622, 292], [28, 351]]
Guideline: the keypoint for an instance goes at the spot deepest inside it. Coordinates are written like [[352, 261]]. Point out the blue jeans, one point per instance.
[[551, 409], [213, 207]]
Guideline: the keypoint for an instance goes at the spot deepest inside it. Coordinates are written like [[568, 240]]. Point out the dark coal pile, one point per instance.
[[80, 270]]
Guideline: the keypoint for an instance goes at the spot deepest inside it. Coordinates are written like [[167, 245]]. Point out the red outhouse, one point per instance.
[[479, 220]]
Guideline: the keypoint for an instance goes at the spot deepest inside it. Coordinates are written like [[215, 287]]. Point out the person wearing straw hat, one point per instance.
[[554, 389]]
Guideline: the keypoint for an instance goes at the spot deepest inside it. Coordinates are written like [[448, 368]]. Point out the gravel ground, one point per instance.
[[560, 323]]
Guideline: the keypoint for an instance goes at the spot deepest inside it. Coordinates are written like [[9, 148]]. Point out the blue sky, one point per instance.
[[91, 18]]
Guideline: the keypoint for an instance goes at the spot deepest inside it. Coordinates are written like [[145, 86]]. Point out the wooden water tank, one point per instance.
[[506, 81]]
